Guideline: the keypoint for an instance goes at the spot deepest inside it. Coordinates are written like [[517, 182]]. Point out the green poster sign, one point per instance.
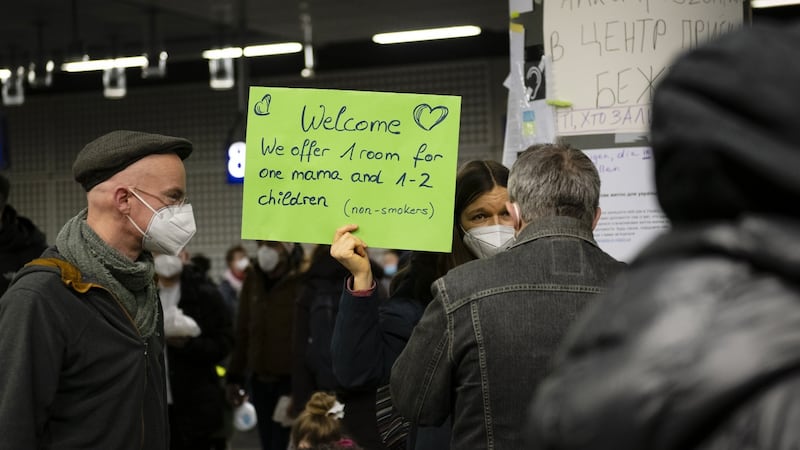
[[317, 159]]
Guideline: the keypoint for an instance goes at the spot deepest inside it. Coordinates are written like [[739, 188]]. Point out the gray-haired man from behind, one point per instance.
[[486, 339], [81, 344]]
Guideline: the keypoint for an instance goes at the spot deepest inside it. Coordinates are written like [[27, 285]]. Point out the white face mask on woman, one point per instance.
[[168, 266], [268, 258], [489, 240], [169, 230]]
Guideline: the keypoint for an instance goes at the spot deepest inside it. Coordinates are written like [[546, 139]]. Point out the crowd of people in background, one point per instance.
[[524, 335]]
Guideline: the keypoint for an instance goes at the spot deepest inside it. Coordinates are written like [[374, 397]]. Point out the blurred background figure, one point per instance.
[[318, 427], [230, 286], [314, 319], [390, 262], [202, 264], [369, 335], [20, 240], [261, 362], [199, 336]]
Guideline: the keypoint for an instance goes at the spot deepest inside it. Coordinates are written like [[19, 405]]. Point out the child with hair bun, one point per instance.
[[318, 427]]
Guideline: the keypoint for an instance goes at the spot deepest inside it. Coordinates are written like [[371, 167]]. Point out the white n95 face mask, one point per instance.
[[169, 230], [168, 266], [489, 240], [268, 258], [242, 264]]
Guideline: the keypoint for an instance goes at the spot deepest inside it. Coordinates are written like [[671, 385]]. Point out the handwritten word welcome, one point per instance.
[[348, 124]]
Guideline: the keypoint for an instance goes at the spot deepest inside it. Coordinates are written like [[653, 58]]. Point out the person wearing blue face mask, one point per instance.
[[81, 327], [368, 337]]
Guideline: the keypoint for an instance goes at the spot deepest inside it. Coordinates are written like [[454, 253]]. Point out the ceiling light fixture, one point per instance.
[[308, 50], [156, 66], [281, 48], [41, 74], [103, 64], [40, 70], [772, 3], [221, 76], [114, 83], [223, 53], [426, 35], [4, 74], [13, 93]]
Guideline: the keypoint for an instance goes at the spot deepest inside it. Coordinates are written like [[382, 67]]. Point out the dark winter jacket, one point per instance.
[[264, 326], [316, 312], [20, 242], [370, 334], [75, 373], [698, 346], [197, 393]]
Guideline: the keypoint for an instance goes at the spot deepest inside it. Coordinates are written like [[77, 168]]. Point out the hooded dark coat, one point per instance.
[[698, 344]]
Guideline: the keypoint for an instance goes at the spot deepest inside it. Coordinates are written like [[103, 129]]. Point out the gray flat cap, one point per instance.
[[112, 152]]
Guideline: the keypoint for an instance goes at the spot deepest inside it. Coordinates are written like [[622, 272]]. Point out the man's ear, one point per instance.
[[513, 211], [596, 219], [122, 200]]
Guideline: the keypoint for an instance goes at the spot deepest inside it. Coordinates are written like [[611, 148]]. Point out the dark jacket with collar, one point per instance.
[[486, 339], [75, 372], [696, 346]]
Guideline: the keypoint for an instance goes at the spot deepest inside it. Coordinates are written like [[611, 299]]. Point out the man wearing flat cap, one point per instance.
[[81, 346]]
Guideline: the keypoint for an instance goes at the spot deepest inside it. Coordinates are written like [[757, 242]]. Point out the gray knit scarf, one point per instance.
[[130, 281]]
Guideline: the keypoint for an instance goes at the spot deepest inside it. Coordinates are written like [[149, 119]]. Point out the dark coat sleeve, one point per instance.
[[368, 336]]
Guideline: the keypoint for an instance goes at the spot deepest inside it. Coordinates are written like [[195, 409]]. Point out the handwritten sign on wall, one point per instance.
[[631, 216], [317, 159], [607, 56]]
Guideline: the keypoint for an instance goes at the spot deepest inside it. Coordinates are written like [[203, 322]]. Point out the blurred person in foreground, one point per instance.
[[81, 328], [20, 240], [370, 334], [485, 340], [698, 345]]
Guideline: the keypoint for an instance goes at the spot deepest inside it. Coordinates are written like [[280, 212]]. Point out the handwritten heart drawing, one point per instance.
[[427, 117], [262, 106]]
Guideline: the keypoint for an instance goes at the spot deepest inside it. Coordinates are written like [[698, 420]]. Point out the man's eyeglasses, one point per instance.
[[177, 199]]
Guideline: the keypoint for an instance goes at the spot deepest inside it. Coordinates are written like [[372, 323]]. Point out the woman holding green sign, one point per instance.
[[368, 336]]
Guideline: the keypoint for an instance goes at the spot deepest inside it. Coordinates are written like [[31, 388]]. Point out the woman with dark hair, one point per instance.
[[368, 336]]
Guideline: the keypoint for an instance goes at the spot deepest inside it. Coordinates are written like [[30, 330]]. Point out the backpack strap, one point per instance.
[[70, 274]]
